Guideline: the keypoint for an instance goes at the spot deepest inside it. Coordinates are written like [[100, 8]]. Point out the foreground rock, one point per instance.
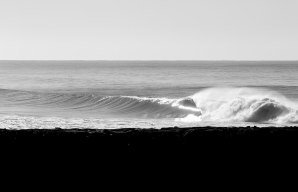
[[167, 139], [206, 148]]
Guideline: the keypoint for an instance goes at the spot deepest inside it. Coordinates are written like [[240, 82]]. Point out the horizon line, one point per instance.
[[108, 60]]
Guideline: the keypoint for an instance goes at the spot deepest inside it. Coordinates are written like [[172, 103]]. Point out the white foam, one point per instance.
[[243, 105], [160, 100]]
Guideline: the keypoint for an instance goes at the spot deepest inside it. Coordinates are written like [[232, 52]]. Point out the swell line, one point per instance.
[[231, 104]]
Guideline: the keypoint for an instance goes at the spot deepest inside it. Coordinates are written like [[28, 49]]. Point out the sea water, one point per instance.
[[147, 94]]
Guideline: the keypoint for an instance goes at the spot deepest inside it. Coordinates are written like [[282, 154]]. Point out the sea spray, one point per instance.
[[243, 105]]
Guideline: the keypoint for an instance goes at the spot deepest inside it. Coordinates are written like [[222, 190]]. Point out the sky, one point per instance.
[[148, 30]]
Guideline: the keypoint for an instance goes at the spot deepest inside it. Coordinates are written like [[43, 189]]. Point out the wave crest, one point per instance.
[[243, 105]]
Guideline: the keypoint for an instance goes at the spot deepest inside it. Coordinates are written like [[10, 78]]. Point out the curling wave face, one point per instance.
[[244, 105], [208, 105]]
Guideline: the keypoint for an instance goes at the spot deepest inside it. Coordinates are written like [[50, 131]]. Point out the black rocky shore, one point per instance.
[[246, 149], [198, 139]]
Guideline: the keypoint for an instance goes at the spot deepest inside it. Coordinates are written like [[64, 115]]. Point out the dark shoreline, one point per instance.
[[207, 148], [138, 140]]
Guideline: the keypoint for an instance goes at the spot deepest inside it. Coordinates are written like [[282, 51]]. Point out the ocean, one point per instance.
[[147, 94]]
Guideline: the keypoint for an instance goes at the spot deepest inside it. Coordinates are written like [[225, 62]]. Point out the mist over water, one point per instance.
[[147, 94]]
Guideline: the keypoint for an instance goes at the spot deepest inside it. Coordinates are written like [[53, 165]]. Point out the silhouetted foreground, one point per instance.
[[145, 140], [208, 148]]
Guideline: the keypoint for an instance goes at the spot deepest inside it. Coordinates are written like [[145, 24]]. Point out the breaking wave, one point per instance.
[[211, 104], [243, 105]]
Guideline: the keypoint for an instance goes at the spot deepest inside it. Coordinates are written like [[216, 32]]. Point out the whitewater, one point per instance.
[[108, 95]]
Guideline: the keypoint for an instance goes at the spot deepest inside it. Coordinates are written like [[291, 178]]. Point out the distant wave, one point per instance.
[[212, 104]]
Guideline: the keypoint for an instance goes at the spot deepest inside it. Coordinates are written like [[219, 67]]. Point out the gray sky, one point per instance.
[[149, 29]]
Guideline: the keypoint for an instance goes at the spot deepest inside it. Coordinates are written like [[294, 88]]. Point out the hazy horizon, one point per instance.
[[180, 30], [120, 60]]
